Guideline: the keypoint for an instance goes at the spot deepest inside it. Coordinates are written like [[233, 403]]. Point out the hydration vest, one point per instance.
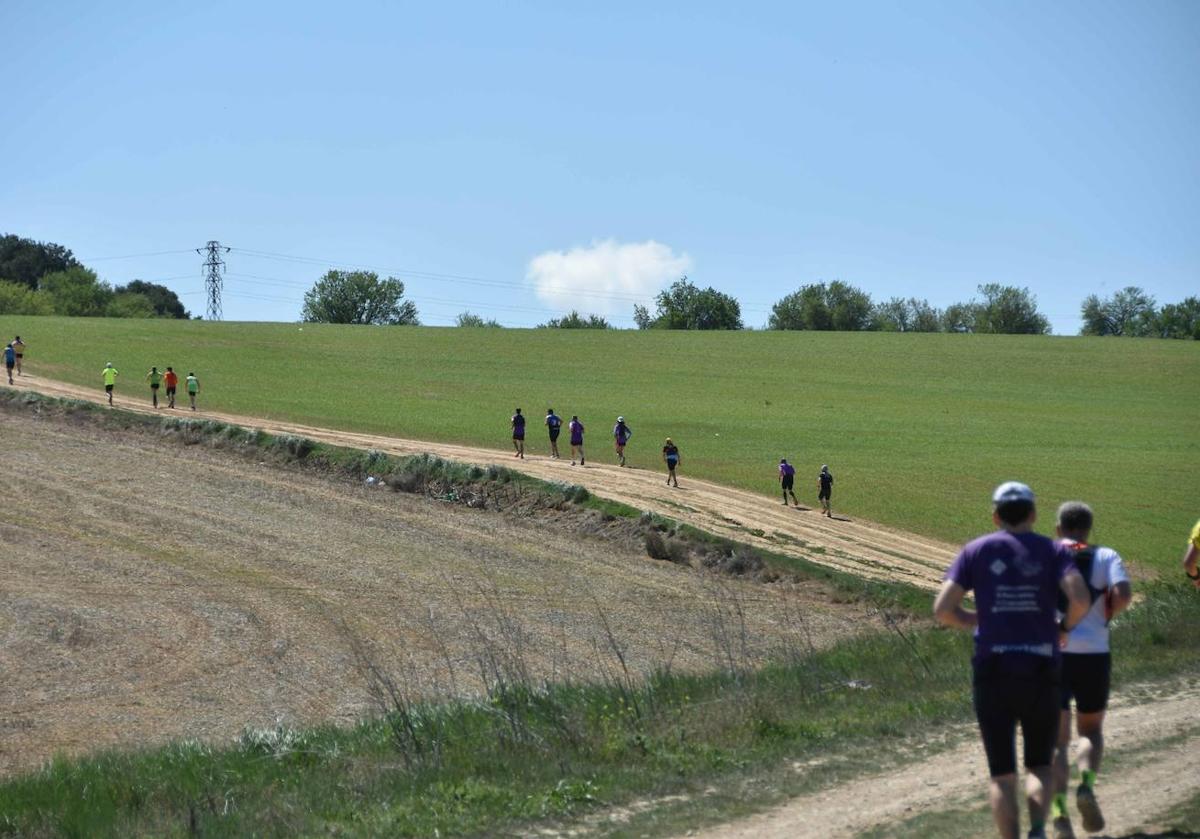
[[1083, 555]]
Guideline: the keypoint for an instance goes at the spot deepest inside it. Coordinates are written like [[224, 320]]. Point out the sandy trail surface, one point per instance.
[[152, 590], [1156, 739], [859, 547]]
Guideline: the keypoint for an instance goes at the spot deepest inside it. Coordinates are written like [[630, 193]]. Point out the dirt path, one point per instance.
[[1148, 783], [859, 547]]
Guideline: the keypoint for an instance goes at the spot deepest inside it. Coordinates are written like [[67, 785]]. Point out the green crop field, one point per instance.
[[916, 428]]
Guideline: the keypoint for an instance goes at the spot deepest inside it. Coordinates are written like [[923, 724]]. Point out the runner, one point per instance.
[[193, 387], [19, 350], [155, 378], [171, 380], [1086, 667], [671, 457], [10, 358], [1016, 575], [1192, 557], [518, 432], [622, 433], [824, 490], [576, 429], [787, 478], [110, 379], [554, 426]]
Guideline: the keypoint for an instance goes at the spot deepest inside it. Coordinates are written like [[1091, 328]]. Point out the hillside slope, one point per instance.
[[862, 548]]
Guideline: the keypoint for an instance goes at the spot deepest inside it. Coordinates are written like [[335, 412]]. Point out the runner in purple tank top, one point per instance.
[[1016, 576], [576, 429]]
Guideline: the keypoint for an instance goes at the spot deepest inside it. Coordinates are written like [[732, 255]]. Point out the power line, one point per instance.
[[133, 255], [214, 267]]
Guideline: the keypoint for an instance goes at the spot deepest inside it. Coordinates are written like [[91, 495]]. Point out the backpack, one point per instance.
[[1083, 556]]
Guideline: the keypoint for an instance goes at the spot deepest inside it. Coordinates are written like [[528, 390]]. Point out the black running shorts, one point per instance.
[[823, 495], [108, 388], [1086, 678], [789, 481], [1022, 691], [154, 387], [554, 432]]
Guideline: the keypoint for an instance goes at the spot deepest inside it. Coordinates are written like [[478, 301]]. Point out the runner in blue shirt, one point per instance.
[[1016, 576], [554, 426], [621, 433], [10, 360]]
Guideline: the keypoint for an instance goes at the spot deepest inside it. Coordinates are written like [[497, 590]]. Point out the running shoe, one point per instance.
[[1089, 808], [1063, 829]]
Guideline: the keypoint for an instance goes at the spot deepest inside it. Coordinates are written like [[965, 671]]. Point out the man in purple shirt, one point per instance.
[[787, 480], [576, 429], [1016, 575]]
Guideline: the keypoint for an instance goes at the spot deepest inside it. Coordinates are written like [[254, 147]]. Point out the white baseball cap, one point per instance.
[[620, 419], [1012, 491]]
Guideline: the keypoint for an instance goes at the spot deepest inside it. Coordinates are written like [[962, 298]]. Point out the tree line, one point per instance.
[[43, 278]]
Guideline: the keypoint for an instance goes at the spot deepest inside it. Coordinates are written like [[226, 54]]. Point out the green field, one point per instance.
[[916, 428]]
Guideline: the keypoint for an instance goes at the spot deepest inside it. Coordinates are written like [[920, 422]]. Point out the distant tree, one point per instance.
[[1179, 320], [1130, 311], [20, 299], [26, 261], [893, 315], [77, 292], [574, 320], [684, 306], [358, 297], [911, 315], [641, 317], [130, 304], [474, 321], [849, 307], [166, 303], [805, 308], [925, 318], [1009, 310], [959, 317], [839, 306]]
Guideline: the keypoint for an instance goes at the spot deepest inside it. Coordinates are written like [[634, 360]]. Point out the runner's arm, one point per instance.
[[947, 607], [1079, 602], [1191, 564], [1119, 598]]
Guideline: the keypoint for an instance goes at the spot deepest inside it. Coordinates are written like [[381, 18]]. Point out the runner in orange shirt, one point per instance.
[[171, 380]]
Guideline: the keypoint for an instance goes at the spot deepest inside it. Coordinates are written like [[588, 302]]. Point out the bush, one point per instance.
[[16, 299]]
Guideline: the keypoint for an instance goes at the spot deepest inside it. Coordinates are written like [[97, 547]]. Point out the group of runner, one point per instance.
[[14, 352], [1041, 625], [621, 434], [167, 379]]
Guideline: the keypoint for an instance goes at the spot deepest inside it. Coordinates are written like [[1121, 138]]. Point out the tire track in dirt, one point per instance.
[[861, 548], [1134, 797]]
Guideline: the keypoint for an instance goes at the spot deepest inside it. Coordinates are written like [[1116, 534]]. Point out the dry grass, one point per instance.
[[155, 592]]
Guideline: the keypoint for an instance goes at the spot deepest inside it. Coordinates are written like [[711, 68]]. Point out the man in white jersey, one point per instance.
[[1086, 668]]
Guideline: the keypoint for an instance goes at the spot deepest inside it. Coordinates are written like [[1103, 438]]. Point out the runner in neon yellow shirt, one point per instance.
[[193, 387], [110, 379], [155, 378], [1191, 559]]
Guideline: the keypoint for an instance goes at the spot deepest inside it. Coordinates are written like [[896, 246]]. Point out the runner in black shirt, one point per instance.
[[518, 429], [825, 484]]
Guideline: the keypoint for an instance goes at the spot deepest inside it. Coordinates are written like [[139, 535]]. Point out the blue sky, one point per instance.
[[520, 159]]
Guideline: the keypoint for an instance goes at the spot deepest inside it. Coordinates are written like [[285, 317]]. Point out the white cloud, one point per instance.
[[605, 277]]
